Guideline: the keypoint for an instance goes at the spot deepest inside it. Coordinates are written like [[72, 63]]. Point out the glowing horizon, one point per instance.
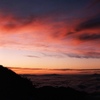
[[43, 71]]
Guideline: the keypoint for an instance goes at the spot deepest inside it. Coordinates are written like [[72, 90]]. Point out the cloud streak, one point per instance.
[[89, 37], [32, 56], [93, 23]]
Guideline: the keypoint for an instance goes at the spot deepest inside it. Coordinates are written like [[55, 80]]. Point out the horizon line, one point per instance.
[[54, 68]]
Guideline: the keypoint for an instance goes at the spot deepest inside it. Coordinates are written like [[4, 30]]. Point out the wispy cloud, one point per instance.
[[57, 55], [86, 55], [89, 37], [92, 23], [32, 56]]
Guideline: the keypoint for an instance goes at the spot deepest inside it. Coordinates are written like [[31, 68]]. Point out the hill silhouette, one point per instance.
[[15, 87]]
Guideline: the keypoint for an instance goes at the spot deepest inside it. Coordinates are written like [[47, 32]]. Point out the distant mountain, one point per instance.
[[51, 75]]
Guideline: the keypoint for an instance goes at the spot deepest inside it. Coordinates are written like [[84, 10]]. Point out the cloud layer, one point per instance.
[[57, 33]]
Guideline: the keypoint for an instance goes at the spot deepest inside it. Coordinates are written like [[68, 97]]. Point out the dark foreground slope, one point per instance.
[[14, 87]]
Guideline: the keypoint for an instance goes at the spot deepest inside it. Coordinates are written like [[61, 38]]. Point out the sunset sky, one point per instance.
[[50, 34]]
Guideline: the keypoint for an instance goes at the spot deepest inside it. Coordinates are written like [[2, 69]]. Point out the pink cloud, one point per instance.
[[48, 34]]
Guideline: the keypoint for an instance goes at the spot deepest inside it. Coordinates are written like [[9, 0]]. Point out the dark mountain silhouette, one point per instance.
[[15, 87]]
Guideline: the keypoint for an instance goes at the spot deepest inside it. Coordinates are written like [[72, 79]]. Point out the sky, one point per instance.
[[50, 34]]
